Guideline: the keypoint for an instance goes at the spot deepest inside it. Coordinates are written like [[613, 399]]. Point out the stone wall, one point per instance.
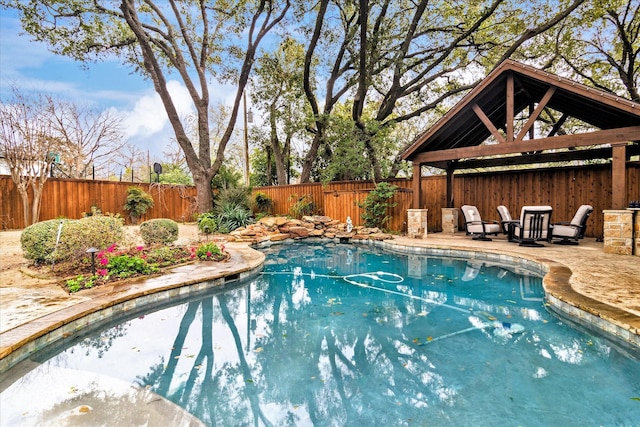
[[277, 228]]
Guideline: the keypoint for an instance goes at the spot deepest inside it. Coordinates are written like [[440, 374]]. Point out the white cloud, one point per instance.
[[149, 117]]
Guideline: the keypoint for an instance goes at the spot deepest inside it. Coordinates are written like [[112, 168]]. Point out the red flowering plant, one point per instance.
[[209, 252], [115, 264]]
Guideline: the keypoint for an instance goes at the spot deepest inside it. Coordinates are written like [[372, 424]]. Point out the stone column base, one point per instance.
[[417, 223], [618, 232], [450, 220]]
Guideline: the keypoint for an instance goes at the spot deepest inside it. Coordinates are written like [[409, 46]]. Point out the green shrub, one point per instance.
[[231, 217], [376, 204], [126, 265], [301, 206], [231, 210], [138, 202], [159, 231], [81, 282], [236, 196], [207, 223], [208, 251], [97, 231], [163, 256], [95, 210], [38, 240], [262, 203]]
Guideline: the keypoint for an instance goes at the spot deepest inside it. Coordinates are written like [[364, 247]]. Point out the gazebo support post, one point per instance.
[[417, 172], [619, 176], [450, 169]]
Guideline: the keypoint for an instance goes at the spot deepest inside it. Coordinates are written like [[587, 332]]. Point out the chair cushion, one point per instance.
[[488, 228], [579, 216], [504, 213], [565, 231], [492, 228], [470, 213]]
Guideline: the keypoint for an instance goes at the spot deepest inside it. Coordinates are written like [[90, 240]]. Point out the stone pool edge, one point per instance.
[[19, 343]]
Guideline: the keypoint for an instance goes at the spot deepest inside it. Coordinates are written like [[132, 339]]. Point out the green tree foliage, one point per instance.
[[337, 80], [599, 46], [278, 91], [175, 174], [345, 155], [376, 205]]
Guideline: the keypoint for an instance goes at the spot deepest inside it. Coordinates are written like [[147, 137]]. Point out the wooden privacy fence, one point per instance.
[[565, 189], [339, 200], [71, 198]]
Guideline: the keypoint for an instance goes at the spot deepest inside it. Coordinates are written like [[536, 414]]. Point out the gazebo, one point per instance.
[[494, 125], [480, 130]]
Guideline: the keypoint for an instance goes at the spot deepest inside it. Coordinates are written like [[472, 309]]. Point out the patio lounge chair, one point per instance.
[[570, 232], [506, 219], [534, 226], [476, 226]]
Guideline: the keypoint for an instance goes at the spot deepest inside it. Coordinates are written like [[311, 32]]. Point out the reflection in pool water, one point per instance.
[[335, 335]]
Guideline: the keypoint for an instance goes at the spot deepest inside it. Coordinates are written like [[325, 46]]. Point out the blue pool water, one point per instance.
[[350, 335]]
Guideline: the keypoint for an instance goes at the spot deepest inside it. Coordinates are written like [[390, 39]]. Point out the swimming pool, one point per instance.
[[339, 334]]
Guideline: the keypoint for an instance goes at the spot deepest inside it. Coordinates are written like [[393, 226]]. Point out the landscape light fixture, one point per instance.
[[93, 251]]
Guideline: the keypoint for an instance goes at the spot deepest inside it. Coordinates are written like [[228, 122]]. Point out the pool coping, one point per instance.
[[18, 343]]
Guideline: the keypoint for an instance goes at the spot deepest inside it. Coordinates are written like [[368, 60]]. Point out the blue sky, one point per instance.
[[104, 85]]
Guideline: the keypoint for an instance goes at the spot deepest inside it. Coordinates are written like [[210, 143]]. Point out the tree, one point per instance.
[[134, 163], [28, 146], [600, 47], [87, 137], [195, 39], [278, 91], [408, 58]]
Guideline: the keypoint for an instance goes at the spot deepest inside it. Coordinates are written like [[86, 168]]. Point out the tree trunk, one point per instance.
[[26, 208], [278, 151], [307, 163], [204, 196]]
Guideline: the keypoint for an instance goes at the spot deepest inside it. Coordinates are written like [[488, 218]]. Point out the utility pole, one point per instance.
[[248, 118]]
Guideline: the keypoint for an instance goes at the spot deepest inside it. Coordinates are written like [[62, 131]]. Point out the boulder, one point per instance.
[[278, 237], [298, 232]]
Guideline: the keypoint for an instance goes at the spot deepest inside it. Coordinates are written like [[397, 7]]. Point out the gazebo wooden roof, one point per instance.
[[493, 125]]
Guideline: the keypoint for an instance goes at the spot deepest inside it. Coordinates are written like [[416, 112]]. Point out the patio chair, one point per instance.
[[570, 232], [476, 226], [534, 226], [505, 220]]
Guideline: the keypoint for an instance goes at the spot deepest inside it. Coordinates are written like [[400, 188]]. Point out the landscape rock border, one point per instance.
[[278, 228]]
